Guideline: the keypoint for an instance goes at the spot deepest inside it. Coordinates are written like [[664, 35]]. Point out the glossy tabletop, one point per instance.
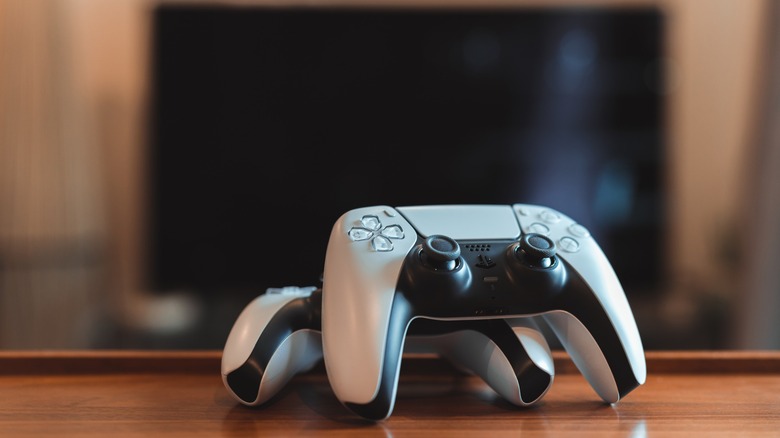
[[179, 393]]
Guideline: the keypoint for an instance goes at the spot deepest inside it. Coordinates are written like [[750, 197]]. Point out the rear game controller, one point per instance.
[[278, 335]]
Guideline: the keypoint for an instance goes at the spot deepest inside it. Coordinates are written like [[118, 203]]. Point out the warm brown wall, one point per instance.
[[716, 50], [52, 233], [73, 88]]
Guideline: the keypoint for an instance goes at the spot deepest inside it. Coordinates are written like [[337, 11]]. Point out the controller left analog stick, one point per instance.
[[440, 252]]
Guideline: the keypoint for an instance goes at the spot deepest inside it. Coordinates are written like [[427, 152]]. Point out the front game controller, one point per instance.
[[385, 267], [277, 336]]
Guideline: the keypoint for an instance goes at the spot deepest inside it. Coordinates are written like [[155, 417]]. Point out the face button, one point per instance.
[[537, 250], [569, 244], [440, 252], [382, 244], [393, 232], [550, 216], [538, 228], [359, 233], [578, 230], [371, 222]]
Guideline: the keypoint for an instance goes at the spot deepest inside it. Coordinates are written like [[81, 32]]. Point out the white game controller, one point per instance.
[[385, 267]]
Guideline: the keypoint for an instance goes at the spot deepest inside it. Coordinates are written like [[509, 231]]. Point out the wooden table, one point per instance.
[[150, 394]]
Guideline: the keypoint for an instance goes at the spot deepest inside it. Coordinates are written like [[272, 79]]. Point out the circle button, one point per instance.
[[579, 231]]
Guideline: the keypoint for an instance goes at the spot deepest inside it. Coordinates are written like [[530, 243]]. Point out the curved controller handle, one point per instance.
[[594, 323], [385, 267], [277, 336]]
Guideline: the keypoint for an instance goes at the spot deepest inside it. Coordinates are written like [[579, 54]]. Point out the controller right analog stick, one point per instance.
[[440, 253], [537, 250]]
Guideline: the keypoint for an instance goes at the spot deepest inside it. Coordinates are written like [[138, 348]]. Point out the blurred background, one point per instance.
[[162, 163]]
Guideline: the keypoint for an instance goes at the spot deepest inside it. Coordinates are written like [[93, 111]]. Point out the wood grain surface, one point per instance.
[[146, 394]]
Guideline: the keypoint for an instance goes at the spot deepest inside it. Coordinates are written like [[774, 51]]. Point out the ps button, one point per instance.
[[569, 244], [578, 230], [550, 217], [358, 233], [371, 222], [382, 244], [393, 232], [538, 228]]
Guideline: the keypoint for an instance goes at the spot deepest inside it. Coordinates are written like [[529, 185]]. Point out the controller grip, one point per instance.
[[597, 353], [254, 384], [288, 343]]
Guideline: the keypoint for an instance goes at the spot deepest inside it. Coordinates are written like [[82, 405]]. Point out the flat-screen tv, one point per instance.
[[269, 122]]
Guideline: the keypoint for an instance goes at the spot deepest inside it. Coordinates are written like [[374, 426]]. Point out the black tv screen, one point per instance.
[[268, 123]]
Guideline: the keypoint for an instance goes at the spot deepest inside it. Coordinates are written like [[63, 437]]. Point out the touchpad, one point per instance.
[[464, 222]]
